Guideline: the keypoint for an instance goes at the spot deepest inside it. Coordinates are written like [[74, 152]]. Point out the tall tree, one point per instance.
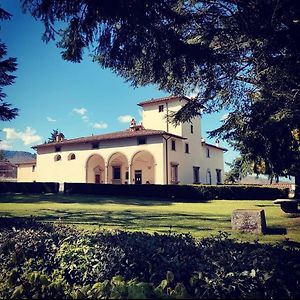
[[243, 56], [53, 136], [239, 169], [7, 66]]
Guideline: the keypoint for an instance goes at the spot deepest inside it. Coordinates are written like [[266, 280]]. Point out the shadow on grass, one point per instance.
[[88, 199], [134, 220], [264, 205], [275, 231]]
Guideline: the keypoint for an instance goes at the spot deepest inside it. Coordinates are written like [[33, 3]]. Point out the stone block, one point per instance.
[[249, 220]]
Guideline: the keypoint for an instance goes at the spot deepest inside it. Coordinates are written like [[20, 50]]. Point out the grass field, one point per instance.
[[199, 219]]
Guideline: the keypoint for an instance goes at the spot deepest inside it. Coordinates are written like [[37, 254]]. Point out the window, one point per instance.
[[219, 177], [95, 145], [187, 148], [207, 152], [33, 168], [174, 174], [173, 145], [160, 108], [141, 141], [57, 157], [71, 156], [116, 172], [196, 171], [192, 129], [57, 148]]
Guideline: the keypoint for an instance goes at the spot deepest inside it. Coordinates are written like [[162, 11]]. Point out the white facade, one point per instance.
[[155, 152]]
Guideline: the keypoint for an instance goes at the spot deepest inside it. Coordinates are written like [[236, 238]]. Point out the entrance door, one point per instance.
[[138, 176], [174, 174], [97, 178]]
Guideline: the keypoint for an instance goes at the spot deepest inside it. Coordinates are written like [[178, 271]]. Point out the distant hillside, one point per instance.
[[18, 156]]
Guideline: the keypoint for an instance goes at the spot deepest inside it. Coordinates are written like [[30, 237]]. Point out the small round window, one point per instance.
[[71, 156], [57, 157]]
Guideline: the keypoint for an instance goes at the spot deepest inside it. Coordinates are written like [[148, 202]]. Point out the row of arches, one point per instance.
[[119, 170]]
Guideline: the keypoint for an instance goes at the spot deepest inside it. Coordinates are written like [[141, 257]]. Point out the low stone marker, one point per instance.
[[249, 220]]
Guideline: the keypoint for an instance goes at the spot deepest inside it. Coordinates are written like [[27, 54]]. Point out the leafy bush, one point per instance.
[[191, 193], [55, 261]]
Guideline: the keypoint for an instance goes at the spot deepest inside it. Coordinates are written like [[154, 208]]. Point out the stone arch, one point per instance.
[[143, 167], [117, 169], [95, 169]]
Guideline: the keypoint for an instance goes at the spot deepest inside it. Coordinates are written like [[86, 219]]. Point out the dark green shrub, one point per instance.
[[54, 261], [29, 187], [190, 193]]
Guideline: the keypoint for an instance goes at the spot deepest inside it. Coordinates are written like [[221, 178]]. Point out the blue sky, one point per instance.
[[78, 99]]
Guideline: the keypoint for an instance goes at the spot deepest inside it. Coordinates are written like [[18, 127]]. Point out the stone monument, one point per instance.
[[249, 220]]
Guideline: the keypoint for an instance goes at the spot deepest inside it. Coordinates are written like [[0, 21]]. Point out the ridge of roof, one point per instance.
[[110, 136], [163, 99], [214, 146], [29, 162]]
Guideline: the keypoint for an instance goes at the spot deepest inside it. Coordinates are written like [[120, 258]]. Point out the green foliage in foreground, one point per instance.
[[55, 261]]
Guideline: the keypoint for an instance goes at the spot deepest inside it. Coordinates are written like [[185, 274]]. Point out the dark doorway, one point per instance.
[[97, 178], [138, 176]]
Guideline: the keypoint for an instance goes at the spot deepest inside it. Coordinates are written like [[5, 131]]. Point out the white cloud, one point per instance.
[[85, 118], [100, 125], [28, 137], [125, 118], [224, 117], [50, 119], [5, 145], [80, 111]]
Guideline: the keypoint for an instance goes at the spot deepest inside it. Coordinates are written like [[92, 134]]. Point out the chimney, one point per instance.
[[217, 143], [60, 137], [132, 125]]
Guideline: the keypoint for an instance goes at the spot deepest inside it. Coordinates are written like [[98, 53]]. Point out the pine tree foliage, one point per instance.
[[53, 136], [7, 66]]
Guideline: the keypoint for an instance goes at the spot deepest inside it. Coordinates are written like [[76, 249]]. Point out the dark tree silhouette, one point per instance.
[[7, 66]]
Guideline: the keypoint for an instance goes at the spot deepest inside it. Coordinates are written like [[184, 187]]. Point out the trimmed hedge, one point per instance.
[[179, 192], [29, 187]]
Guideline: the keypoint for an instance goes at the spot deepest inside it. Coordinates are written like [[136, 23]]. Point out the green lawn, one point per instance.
[[200, 219]]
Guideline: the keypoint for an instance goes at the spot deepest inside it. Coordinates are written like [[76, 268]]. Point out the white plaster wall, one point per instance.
[[215, 161], [153, 119], [25, 173], [75, 170]]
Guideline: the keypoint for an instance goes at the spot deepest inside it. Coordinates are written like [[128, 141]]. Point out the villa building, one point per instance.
[[154, 152]]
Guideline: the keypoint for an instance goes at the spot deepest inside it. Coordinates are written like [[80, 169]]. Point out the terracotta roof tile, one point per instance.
[[216, 147], [28, 162], [164, 99], [110, 136]]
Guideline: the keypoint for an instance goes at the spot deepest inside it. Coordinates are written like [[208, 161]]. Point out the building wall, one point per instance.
[[212, 163], [26, 173], [195, 158], [153, 119], [66, 170], [126, 153]]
